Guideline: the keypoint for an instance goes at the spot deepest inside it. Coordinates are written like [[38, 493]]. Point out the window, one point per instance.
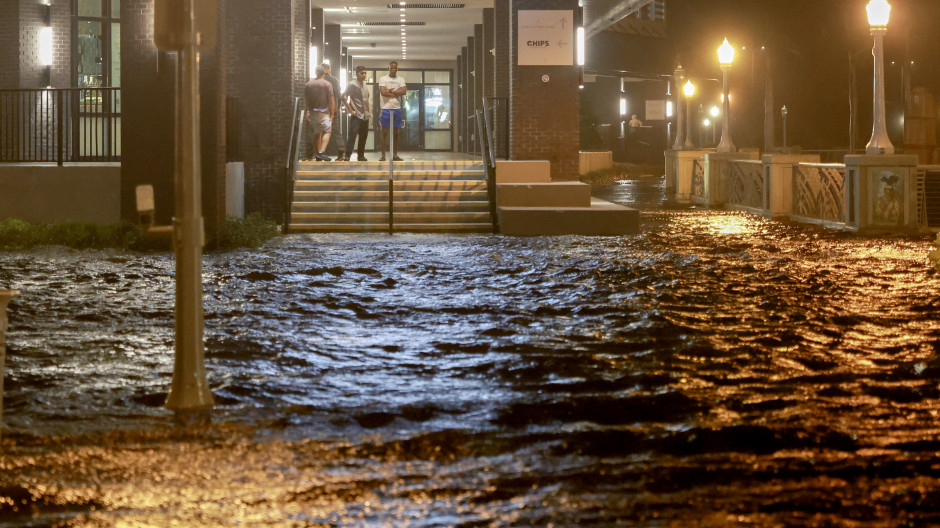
[[96, 48]]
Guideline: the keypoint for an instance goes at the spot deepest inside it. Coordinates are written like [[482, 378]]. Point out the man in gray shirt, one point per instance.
[[356, 99], [337, 118]]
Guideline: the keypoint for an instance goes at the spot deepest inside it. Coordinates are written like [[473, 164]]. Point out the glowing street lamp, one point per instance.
[[689, 91], [725, 58], [878, 14]]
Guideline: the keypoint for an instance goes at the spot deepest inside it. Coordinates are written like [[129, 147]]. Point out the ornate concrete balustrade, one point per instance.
[[866, 193]]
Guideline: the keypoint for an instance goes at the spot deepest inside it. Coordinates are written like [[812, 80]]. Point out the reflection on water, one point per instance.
[[716, 369]]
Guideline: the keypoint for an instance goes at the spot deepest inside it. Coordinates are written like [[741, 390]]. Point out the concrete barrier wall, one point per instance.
[[41, 194], [592, 161]]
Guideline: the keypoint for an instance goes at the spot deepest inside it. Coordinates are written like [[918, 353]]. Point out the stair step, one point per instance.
[[380, 185], [380, 206], [411, 228], [379, 217], [445, 175], [337, 166], [326, 195]]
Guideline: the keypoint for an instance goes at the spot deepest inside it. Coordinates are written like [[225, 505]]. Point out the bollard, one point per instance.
[[5, 296]]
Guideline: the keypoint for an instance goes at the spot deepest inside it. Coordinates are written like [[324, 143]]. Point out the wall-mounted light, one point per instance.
[[45, 46], [623, 106], [580, 36], [669, 109], [342, 79]]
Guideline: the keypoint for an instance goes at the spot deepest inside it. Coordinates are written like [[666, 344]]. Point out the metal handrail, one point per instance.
[[489, 166], [293, 154]]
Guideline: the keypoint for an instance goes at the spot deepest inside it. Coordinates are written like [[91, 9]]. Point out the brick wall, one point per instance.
[[264, 80], [9, 45], [544, 116]]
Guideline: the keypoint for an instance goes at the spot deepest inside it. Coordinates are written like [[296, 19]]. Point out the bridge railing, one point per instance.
[[819, 192], [746, 184]]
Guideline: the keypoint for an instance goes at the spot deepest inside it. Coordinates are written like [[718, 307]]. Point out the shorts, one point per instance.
[[383, 119], [321, 122]]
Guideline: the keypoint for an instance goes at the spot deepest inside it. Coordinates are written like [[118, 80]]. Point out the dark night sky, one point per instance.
[[809, 43]]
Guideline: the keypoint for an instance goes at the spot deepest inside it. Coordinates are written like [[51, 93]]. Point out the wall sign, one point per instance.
[[546, 38]]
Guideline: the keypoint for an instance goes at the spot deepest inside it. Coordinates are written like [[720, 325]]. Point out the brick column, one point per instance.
[[479, 67], [544, 115], [489, 62], [502, 36], [147, 113], [265, 37], [212, 123], [459, 115]]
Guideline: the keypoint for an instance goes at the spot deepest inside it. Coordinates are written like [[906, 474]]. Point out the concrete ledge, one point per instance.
[[46, 193], [523, 171], [601, 219], [556, 194], [592, 161]]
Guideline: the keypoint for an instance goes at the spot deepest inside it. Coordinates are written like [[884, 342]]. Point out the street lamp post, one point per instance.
[[878, 14], [783, 114], [725, 58], [678, 77], [689, 91]]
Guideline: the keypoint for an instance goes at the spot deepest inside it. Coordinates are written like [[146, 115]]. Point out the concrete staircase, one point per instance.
[[529, 203], [429, 196]]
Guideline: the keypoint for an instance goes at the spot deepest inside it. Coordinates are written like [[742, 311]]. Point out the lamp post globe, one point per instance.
[[879, 12], [689, 90], [725, 58]]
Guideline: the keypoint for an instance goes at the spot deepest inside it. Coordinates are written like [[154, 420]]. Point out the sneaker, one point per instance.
[[382, 158], [343, 159], [322, 157], [362, 158], [396, 158]]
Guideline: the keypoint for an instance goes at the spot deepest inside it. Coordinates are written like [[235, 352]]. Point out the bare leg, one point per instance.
[[324, 141], [397, 134], [384, 141]]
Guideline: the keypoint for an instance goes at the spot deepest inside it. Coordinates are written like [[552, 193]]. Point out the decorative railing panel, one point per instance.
[[746, 184], [698, 177], [59, 125], [819, 191]]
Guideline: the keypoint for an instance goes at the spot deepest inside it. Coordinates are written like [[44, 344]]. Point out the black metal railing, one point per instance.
[[293, 154], [60, 125], [498, 125], [484, 132]]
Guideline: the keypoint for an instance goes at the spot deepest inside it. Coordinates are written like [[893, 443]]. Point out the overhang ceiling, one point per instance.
[[371, 29]]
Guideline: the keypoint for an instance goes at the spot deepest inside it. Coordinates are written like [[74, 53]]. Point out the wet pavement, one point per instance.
[[716, 369]]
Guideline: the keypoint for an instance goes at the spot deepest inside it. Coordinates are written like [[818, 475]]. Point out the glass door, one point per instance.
[[412, 135]]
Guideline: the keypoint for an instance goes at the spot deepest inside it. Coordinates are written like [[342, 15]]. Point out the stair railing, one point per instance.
[[484, 131], [293, 154]]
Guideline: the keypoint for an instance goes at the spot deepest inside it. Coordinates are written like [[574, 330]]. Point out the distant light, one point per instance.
[[715, 111], [313, 61], [879, 11], [725, 52], [706, 122]]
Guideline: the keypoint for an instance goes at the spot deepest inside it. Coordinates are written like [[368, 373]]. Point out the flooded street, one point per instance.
[[716, 369]]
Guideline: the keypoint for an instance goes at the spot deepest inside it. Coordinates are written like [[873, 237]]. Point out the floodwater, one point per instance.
[[716, 369]]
